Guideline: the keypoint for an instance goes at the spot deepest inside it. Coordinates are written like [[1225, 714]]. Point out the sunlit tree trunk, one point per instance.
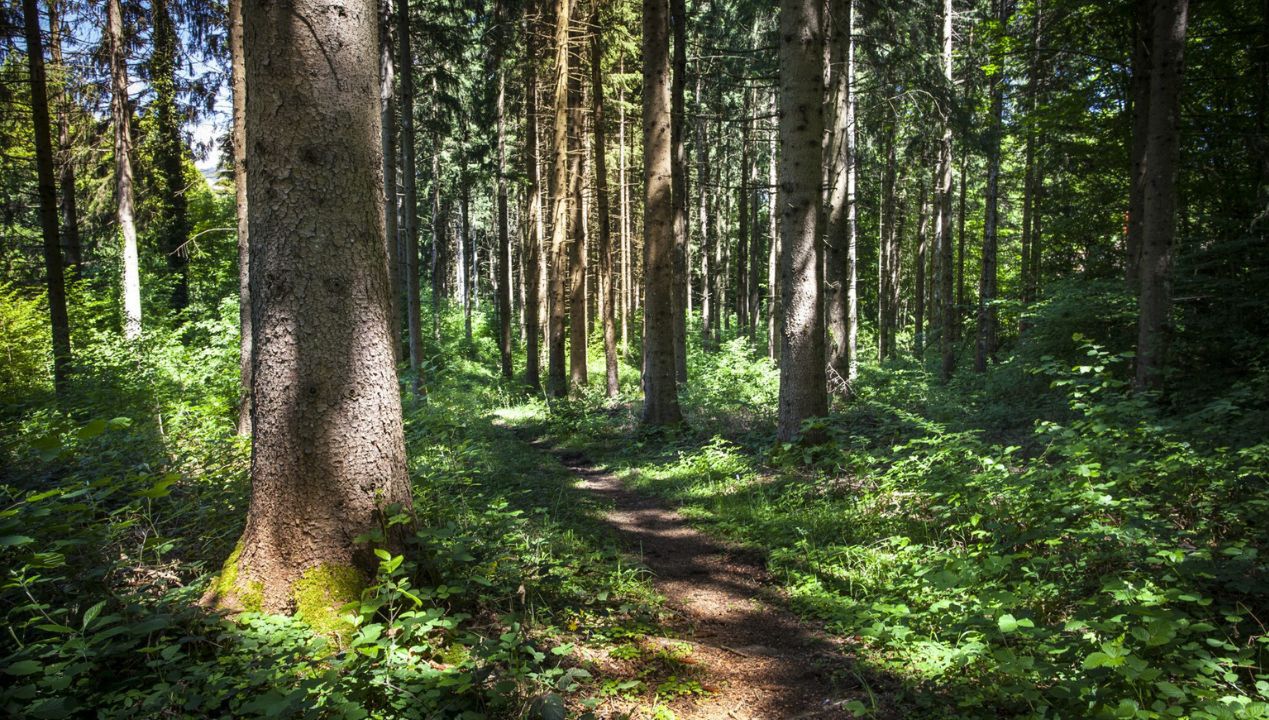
[[660, 391], [803, 393], [121, 119], [946, 302], [328, 453], [238, 82]]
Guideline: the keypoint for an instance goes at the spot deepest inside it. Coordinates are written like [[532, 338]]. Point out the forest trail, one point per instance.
[[758, 660]]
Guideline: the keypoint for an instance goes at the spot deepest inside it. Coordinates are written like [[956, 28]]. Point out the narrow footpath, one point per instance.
[[759, 661]]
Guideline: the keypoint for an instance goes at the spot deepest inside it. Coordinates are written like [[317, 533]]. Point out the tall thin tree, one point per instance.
[[121, 119]]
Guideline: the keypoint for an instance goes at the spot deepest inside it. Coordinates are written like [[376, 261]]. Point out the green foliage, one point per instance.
[[25, 347]]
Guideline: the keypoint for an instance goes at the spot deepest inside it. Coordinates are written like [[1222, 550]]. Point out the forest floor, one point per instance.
[[753, 658]]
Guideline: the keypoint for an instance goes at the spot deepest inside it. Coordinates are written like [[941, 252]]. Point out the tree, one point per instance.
[[557, 384], [53, 269], [678, 166], [841, 297], [578, 257], [601, 202], [946, 303], [1158, 222], [533, 228], [328, 453], [72, 249], [121, 119], [988, 324], [504, 240], [803, 392], [171, 223], [409, 195], [660, 391], [388, 146], [238, 86]]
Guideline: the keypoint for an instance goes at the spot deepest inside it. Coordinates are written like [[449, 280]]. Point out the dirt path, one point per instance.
[[758, 660]]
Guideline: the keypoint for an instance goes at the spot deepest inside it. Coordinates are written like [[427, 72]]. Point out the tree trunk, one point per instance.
[[708, 282], [577, 255], [601, 200], [987, 320], [803, 392], [1143, 29], [837, 235], [623, 196], [678, 20], [556, 380], [121, 118], [504, 239], [466, 255], [918, 334], [886, 240], [238, 79], [409, 195], [775, 327], [533, 230], [53, 269], [742, 234], [72, 249], [328, 456], [947, 303], [388, 146], [660, 391], [1158, 225], [440, 241], [949, 357]]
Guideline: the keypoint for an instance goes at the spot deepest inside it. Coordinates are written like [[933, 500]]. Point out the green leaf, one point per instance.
[[92, 429], [24, 667], [1008, 623], [1096, 660], [12, 540]]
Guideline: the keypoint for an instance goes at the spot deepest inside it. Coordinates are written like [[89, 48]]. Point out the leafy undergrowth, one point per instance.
[[505, 603], [1102, 560]]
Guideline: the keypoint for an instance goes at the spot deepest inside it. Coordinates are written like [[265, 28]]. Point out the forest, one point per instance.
[[634, 359]]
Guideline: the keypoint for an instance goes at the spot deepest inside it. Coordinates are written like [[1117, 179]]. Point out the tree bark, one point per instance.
[[388, 146], [54, 272], [557, 383], [409, 195], [708, 282], [886, 256], [577, 252], [72, 248], [533, 229], [660, 391], [504, 239], [1158, 224], [1143, 29], [328, 457], [838, 260], [238, 80], [678, 20], [918, 308], [946, 302], [742, 231], [803, 392], [775, 324], [121, 118], [601, 201], [623, 197]]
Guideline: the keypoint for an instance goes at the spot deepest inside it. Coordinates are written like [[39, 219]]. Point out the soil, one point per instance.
[[757, 660]]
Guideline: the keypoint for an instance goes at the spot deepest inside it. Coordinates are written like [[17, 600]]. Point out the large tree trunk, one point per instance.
[[987, 317], [678, 21], [504, 239], [121, 119], [72, 250], [53, 269], [238, 80], [660, 391], [946, 303], [1158, 225], [172, 220], [1143, 28], [803, 392], [409, 196], [328, 457], [533, 229], [606, 296], [557, 382]]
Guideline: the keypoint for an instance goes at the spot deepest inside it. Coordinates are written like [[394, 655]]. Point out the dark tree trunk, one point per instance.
[[923, 217], [606, 296], [328, 454], [409, 229], [388, 145], [72, 249], [504, 239], [947, 303], [742, 234], [533, 229], [887, 239], [708, 282], [678, 20], [803, 392], [172, 220], [660, 391], [577, 254], [1158, 224], [1143, 29], [838, 246], [53, 269], [557, 381]]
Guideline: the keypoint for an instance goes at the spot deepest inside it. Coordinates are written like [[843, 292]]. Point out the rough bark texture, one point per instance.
[[606, 296], [72, 250], [706, 231], [660, 392], [838, 261], [328, 456], [533, 229], [678, 21], [1158, 225], [623, 196], [803, 393], [742, 230], [409, 227], [918, 305], [238, 80], [388, 147], [121, 119], [774, 311], [887, 271], [557, 382], [53, 269]]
